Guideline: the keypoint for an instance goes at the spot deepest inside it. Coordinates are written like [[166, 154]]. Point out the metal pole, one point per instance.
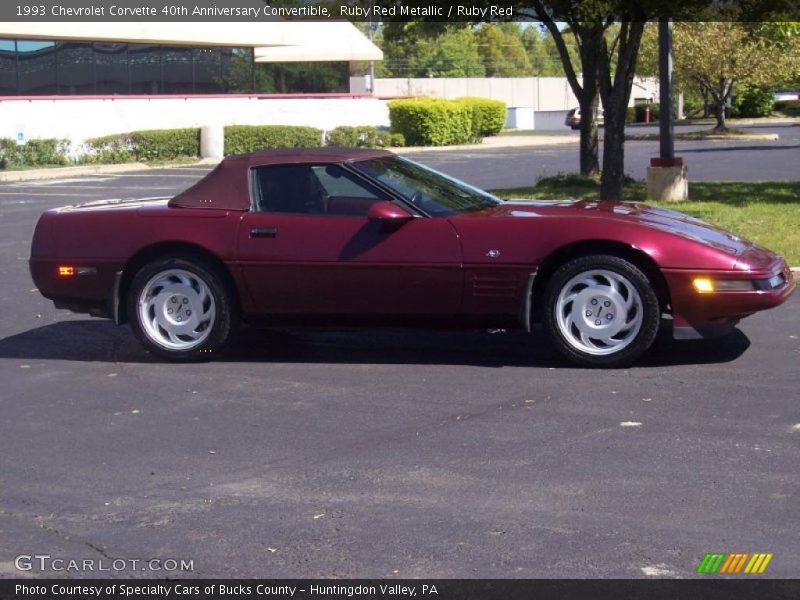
[[666, 120], [371, 27]]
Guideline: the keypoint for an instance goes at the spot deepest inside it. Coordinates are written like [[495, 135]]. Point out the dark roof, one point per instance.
[[228, 187]]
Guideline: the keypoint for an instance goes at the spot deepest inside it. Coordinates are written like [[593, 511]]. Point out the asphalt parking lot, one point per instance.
[[705, 160], [385, 454]]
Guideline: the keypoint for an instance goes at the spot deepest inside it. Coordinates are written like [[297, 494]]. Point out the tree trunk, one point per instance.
[[589, 100], [615, 90], [612, 181], [720, 114], [590, 145]]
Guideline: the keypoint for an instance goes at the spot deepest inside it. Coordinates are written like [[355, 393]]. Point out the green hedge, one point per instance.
[[363, 136], [754, 103], [147, 145], [108, 149], [488, 116], [240, 139], [431, 121], [166, 144], [35, 153]]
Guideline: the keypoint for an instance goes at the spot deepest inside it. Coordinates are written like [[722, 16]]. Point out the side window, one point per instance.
[[346, 194], [311, 190], [287, 189], [338, 182]]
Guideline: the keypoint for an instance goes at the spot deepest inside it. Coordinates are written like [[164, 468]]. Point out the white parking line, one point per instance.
[[41, 194], [102, 187], [48, 182]]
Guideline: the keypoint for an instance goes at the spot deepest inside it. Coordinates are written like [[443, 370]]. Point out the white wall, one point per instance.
[[78, 119], [539, 93]]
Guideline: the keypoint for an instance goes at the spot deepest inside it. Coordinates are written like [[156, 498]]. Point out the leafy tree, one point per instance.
[[587, 25], [502, 51], [719, 55], [542, 52], [411, 50]]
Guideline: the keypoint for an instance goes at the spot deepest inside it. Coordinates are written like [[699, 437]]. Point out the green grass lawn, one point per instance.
[[766, 212]]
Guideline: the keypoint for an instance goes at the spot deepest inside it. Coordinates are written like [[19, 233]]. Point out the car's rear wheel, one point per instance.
[[181, 309], [601, 311]]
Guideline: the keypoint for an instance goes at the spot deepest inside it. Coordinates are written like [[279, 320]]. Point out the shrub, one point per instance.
[[108, 149], [488, 116], [152, 144], [363, 136], [165, 144], [35, 153], [240, 139], [692, 105], [431, 121], [790, 108], [754, 103]]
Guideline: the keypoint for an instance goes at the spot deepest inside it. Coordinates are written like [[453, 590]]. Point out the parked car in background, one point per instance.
[[573, 119], [338, 237]]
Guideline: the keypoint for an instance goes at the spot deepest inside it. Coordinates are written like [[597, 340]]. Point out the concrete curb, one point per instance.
[[62, 172], [521, 141], [746, 137], [796, 271]]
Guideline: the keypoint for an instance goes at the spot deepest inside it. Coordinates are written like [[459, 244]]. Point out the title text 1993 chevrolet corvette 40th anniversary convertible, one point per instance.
[[341, 238]]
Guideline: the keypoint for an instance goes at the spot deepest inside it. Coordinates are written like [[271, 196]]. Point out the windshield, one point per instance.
[[433, 192]]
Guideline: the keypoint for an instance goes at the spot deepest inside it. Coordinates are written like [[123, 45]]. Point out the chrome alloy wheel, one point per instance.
[[176, 309], [599, 312]]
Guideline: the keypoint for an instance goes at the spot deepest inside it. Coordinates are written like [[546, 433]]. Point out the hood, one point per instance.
[[670, 221]]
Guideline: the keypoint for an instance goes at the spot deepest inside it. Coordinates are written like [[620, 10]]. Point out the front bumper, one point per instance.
[[708, 314]]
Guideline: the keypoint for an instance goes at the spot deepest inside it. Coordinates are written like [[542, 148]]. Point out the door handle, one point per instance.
[[264, 232]]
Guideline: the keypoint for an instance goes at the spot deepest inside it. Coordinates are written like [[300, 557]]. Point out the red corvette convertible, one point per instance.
[[342, 238]]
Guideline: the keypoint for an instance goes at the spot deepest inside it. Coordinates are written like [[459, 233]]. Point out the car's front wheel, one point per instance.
[[601, 311], [180, 309]]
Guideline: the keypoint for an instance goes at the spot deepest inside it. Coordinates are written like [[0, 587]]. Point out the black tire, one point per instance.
[[220, 329], [639, 342]]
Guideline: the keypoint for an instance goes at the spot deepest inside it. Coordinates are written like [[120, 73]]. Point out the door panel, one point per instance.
[[296, 264]]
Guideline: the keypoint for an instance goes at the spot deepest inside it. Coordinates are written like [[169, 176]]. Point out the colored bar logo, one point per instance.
[[734, 562]]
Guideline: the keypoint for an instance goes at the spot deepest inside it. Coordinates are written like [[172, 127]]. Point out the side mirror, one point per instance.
[[387, 211]]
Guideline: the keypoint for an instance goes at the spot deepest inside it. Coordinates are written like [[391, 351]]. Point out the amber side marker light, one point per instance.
[[703, 284], [66, 270]]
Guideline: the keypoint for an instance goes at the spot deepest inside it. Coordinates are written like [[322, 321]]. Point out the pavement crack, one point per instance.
[[41, 524]]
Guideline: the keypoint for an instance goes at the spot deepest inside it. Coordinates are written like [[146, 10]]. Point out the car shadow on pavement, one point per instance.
[[101, 341]]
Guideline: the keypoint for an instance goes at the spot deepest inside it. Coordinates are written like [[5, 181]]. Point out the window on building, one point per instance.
[[207, 71], [237, 70], [145, 69], [177, 70], [37, 65], [33, 67], [8, 68], [302, 78], [76, 68], [111, 69]]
